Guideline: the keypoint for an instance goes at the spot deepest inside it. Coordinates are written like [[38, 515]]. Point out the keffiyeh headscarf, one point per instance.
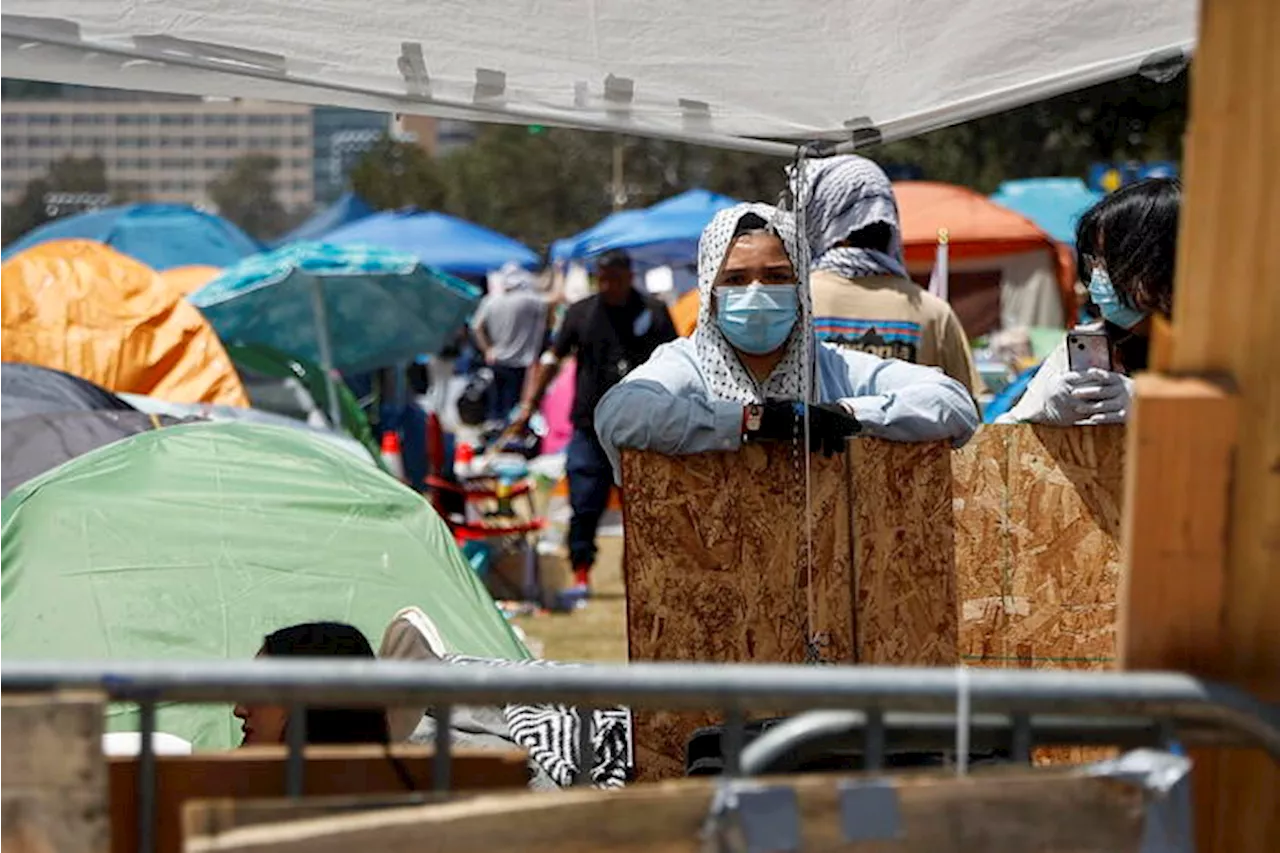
[[727, 379], [844, 194]]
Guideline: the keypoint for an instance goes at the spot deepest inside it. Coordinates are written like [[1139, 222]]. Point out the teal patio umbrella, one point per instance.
[[350, 307]]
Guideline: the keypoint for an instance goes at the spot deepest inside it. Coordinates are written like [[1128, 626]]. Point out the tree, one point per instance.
[[246, 195], [395, 174], [1134, 118], [67, 175]]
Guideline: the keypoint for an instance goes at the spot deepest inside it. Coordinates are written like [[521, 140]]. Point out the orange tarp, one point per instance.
[[84, 308], [187, 280], [684, 313]]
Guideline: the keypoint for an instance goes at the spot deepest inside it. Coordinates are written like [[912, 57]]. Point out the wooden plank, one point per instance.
[[259, 772], [1181, 439], [53, 775], [1042, 812], [208, 818], [904, 553], [1226, 321], [715, 571]]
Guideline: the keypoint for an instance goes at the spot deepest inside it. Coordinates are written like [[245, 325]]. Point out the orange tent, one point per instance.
[[188, 280], [84, 308], [990, 248]]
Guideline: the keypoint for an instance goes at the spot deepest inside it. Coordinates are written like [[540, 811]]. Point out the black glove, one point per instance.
[[829, 425]]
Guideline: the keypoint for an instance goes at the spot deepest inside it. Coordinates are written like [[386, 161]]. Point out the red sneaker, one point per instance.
[[582, 576]]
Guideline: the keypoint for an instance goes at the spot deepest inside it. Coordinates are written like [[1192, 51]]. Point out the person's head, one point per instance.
[[1125, 251], [755, 296], [753, 314], [269, 723], [615, 276], [513, 277], [850, 206]]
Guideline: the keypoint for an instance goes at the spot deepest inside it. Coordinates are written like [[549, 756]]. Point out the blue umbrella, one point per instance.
[[347, 307], [1055, 204], [443, 242], [666, 233], [162, 236], [347, 209]]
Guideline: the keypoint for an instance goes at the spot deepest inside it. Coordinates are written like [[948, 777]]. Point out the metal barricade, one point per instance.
[[920, 706]]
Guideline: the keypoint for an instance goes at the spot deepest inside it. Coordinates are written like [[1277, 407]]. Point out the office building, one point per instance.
[[159, 149]]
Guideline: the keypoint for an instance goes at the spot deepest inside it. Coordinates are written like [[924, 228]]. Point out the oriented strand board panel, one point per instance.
[[904, 559], [716, 570], [1038, 545], [54, 775]]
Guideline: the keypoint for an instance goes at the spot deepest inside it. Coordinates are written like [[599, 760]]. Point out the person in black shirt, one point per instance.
[[610, 333]]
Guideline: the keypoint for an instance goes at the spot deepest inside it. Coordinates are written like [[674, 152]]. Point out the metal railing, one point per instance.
[[931, 708]]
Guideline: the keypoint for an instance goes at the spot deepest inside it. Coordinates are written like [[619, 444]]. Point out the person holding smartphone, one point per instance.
[[1125, 251]]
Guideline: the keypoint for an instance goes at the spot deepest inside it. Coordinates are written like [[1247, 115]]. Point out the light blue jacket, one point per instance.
[[664, 404]]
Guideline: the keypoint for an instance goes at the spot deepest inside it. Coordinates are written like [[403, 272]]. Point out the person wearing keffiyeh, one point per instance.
[[863, 298], [752, 361]]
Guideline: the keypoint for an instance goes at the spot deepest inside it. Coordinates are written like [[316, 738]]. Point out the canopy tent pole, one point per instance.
[[326, 350], [1202, 510]]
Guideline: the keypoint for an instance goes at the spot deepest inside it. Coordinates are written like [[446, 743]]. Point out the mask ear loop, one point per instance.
[[963, 713]]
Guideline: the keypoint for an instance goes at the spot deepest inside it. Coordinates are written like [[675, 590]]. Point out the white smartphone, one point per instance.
[[1088, 348]]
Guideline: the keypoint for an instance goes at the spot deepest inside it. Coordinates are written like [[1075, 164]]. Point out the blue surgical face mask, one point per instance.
[[758, 318], [1103, 294]]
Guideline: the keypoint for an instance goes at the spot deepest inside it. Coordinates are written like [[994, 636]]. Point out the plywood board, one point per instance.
[[1038, 553], [716, 570], [1004, 553], [1044, 812], [904, 555], [54, 776], [260, 772]]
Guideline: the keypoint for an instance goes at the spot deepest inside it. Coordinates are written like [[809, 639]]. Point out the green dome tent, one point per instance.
[[195, 541]]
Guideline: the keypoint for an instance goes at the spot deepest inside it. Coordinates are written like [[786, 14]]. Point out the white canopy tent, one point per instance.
[[732, 75]]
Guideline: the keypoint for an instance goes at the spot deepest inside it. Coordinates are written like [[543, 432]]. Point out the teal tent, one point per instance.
[[193, 542]]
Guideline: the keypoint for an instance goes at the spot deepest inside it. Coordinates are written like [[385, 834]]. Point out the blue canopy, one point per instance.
[[347, 307], [615, 223], [1055, 204], [347, 209], [162, 236], [453, 245], [666, 233]]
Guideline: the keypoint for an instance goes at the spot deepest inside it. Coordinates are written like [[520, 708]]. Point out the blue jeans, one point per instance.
[[411, 423], [504, 394], [590, 479]]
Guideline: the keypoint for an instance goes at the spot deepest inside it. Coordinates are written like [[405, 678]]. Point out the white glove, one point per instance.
[[1089, 398]]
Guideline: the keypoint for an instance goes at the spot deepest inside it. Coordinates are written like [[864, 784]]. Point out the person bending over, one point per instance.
[[741, 377], [270, 723]]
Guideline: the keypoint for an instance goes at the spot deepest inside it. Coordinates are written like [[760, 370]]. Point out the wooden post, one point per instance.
[[55, 776], [1226, 321]]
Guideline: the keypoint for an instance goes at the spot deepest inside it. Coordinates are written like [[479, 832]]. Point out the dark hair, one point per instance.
[[876, 236], [1133, 233], [749, 222], [614, 258], [325, 640]]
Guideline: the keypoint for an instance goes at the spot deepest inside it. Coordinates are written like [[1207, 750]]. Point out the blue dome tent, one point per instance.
[[454, 245], [162, 236]]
